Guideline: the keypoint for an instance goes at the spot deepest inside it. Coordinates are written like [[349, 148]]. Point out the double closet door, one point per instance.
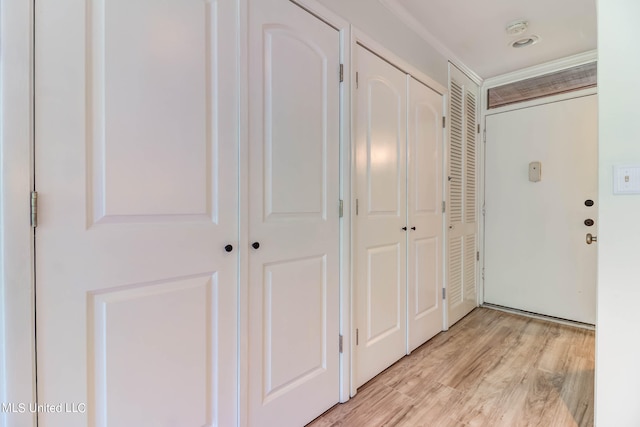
[[398, 219], [143, 271]]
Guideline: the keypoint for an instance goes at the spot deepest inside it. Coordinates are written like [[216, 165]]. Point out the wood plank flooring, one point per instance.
[[490, 369]]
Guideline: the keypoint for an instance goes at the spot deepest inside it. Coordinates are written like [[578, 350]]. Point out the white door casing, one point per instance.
[[294, 141], [462, 215], [136, 169], [424, 210], [380, 241], [536, 255]]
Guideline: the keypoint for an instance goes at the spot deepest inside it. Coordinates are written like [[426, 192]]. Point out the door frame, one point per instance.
[[17, 326], [535, 71]]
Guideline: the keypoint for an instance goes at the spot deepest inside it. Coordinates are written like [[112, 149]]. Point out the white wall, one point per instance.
[[618, 342], [379, 23]]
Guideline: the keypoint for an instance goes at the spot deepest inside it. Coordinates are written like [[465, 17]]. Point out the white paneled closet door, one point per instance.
[[136, 246], [462, 215], [294, 140], [425, 217], [381, 222], [398, 237]]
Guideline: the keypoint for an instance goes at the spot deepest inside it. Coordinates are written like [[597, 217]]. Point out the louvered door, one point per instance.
[[462, 217]]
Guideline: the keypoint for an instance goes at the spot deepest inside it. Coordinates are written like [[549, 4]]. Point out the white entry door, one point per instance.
[[424, 202], [537, 258], [294, 88], [136, 246], [381, 221]]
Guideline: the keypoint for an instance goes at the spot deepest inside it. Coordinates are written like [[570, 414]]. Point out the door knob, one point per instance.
[[588, 222], [591, 238], [413, 228], [404, 228], [228, 248], [255, 245]]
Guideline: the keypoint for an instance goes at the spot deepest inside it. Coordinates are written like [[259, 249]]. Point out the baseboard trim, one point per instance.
[[540, 316]]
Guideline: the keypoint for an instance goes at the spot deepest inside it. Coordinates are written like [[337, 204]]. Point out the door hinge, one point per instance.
[[357, 337], [34, 209], [483, 274], [356, 206], [341, 73], [478, 256], [444, 121], [357, 81], [478, 127], [341, 208], [484, 136], [444, 206], [340, 343], [444, 293]]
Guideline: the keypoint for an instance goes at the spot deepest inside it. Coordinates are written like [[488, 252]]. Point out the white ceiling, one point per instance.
[[474, 30]]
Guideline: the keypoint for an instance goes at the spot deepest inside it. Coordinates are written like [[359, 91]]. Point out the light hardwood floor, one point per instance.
[[490, 369]]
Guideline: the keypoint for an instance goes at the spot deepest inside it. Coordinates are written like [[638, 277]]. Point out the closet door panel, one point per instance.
[[381, 215], [424, 202], [294, 235], [462, 223], [137, 174]]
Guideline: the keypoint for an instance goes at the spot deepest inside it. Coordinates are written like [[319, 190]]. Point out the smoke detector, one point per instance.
[[516, 28]]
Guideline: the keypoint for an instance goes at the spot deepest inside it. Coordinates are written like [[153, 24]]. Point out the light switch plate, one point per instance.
[[626, 179]]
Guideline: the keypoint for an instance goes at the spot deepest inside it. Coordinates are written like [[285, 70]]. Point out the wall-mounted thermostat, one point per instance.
[[626, 179], [535, 171]]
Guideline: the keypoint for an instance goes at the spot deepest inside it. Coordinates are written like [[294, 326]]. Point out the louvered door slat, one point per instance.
[[455, 271], [456, 154], [470, 159], [469, 274]]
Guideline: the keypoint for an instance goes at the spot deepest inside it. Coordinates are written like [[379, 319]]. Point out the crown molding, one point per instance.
[[411, 22]]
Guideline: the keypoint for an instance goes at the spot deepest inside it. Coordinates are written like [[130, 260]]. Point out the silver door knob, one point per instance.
[[591, 238]]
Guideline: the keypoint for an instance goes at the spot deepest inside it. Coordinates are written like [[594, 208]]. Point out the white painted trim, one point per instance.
[[369, 43], [346, 161], [411, 22], [541, 69], [540, 101], [323, 13], [353, 66], [445, 193], [540, 317], [17, 326]]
